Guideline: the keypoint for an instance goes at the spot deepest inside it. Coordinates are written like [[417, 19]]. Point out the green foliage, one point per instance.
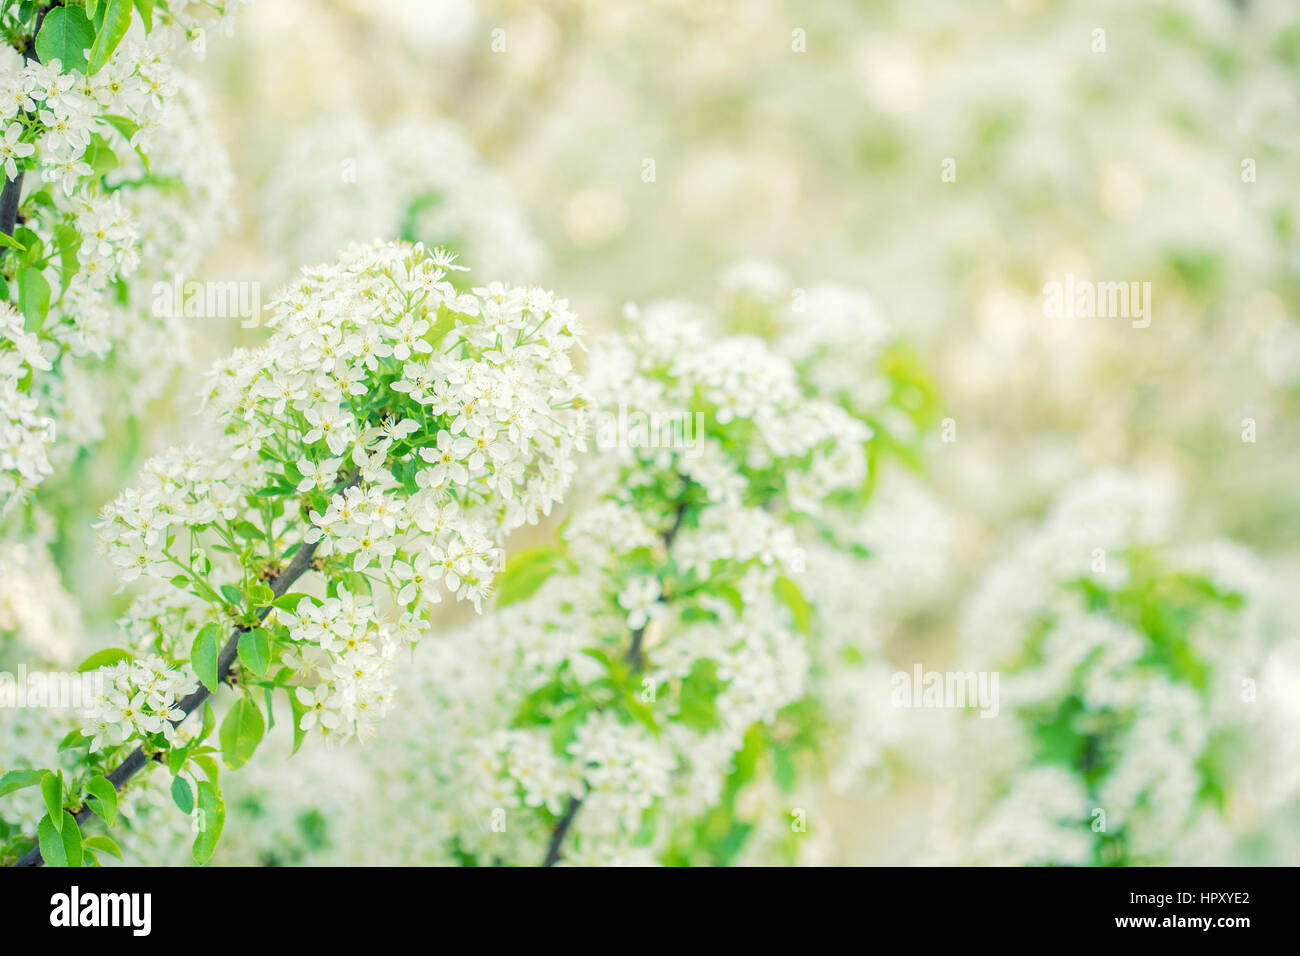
[[211, 821], [105, 803], [241, 732], [525, 572], [203, 656], [60, 845], [105, 658], [16, 780], [116, 21], [66, 33], [255, 650]]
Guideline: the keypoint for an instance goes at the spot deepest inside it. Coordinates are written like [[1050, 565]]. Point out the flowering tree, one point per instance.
[[1144, 731], [385, 438], [107, 162]]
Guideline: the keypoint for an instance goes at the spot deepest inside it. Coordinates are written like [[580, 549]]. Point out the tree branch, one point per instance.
[[561, 831], [13, 190], [137, 760], [633, 657]]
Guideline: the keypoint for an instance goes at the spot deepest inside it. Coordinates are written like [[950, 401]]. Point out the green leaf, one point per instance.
[[290, 602], [296, 709], [183, 795], [784, 772], [105, 843], [73, 738], [211, 769], [66, 34], [69, 241], [100, 156], [127, 127], [211, 820], [104, 805], [10, 242], [255, 650], [698, 704], [232, 594], [640, 711], [33, 297], [209, 722], [203, 656], [105, 658], [241, 732], [117, 20], [525, 572], [52, 793], [20, 780], [145, 7], [30, 241], [61, 845], [789, 594]]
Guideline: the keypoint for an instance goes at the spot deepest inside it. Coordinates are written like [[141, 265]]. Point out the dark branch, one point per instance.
[[13, 190], [635, 658], [633, 655], [136, 762], [561, 831]]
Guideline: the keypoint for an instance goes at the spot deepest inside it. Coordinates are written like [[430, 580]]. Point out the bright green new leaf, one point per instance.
[[66, 34], [241, 732], [105, 658], [33, 297], [146, 13], [61, 845], [117, 20], [211, 819], [183, 795], [104, 805], [20, 780], [100, 156], [525, 572], [203, 655], [789, 594], [296, 709], [52, 793], [104, 843], [255, 650]]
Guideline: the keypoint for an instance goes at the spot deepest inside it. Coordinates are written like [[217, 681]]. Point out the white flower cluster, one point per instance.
[[668, 364], [410, 427], [34, 605], [351, 651], [342, 180], [24, 432], [1128, 672], [139, 699], [836, 336], [104, 210], [544, 701]]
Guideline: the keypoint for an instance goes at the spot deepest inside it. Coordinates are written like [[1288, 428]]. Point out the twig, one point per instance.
[[635, 658], [134, 763], [561, 831], [13, 190]]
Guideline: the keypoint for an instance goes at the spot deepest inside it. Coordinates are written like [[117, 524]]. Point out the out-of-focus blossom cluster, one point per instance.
[[344, 180]]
